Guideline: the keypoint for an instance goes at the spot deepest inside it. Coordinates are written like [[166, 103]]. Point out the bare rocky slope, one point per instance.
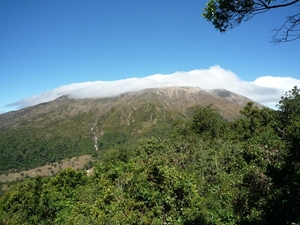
[[177, 99]]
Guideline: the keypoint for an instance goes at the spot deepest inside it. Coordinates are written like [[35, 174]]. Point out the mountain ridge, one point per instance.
[[9, 118]]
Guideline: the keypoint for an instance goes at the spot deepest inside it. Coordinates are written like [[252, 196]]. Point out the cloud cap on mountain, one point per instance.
[[266, 90]]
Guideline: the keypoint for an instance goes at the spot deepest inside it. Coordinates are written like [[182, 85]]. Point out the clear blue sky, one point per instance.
[[46, 44]]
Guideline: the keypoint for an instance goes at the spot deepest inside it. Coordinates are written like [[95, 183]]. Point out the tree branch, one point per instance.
[[288, 30], [277, 6], [227, 14]]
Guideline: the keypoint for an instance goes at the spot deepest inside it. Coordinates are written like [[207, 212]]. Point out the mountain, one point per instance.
[[66, 127]]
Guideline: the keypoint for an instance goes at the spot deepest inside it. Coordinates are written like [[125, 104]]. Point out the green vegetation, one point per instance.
[[41, 142], [20, 151], [227, 14], [206, 171]]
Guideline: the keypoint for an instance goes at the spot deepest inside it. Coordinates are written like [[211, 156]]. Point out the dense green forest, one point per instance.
[[206, 171]]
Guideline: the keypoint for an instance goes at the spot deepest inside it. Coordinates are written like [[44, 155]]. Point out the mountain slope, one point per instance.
[[66, 127]]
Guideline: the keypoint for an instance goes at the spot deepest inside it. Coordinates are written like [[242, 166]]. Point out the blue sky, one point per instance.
[[47, 45]]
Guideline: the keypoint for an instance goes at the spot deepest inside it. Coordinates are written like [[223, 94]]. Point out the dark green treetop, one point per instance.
[[227, 14]]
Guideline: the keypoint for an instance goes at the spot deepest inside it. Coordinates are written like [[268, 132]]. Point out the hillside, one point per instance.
[[65, 127], [174, 165]]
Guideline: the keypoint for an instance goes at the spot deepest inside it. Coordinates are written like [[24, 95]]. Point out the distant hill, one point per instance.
[[66, 127]]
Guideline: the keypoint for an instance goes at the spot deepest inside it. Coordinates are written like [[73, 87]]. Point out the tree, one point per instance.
[[227, 14], [289, 105], [208, 122], [255, 120], [271, 183]]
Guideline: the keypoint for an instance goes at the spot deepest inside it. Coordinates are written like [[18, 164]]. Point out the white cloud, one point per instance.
[[266, 90], [279, 84]]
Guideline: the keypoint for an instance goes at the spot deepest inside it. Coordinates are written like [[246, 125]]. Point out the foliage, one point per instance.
[[208, 122], [207, 171], [227, 14], [255, 121]]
